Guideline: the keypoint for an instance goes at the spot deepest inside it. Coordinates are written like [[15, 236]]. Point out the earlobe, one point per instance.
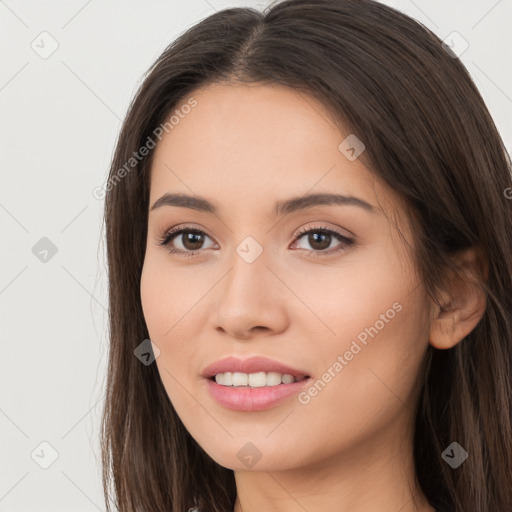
[[464, 306], [445, 331]]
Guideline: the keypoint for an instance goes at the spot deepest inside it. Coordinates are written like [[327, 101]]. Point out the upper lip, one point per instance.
[[253, 364]]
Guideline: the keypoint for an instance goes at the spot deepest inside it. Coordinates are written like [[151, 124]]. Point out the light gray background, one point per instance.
[[60, 118]]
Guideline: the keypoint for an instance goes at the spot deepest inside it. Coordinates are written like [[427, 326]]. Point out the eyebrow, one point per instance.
[[281, 207]]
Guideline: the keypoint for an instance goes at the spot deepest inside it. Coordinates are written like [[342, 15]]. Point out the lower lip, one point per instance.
[[253, 399]]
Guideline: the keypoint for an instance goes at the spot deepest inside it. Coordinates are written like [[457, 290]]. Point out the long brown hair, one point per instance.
[[429, 135]]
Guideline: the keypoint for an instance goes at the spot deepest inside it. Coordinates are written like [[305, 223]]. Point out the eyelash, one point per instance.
[[174, 232]]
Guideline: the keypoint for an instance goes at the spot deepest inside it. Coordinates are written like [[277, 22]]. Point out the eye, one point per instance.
[[320, 239], [190, 243]]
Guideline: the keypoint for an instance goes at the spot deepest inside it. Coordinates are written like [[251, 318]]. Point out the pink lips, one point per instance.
[[250, 399]]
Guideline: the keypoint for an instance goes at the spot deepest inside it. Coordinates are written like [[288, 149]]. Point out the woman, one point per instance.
[[307, 214]]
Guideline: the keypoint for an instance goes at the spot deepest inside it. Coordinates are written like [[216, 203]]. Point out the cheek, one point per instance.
[[372, 317], [374, 383], [170, 297], [153, 299], [168, 294], [159, 297], [346, 299]]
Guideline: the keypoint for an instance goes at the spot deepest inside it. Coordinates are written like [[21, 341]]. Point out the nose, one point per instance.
[[251, 300]]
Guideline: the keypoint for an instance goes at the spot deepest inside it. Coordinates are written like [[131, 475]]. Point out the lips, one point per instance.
[[253, 364]]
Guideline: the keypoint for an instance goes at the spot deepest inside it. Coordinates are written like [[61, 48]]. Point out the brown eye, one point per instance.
[[186, 241], [320, 239], [192, 240]]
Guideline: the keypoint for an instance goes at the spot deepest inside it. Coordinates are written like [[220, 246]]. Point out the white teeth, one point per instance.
[[240, 379], [273, 378], [254, 380], [257, 380], [287, 379]]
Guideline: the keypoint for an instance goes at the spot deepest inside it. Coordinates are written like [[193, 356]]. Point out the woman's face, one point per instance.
[[351, 315]]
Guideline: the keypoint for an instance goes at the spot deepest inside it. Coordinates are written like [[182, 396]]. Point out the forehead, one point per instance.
[[256, 117], [259, 143]]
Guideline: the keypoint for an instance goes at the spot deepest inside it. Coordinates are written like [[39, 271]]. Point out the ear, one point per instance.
[[463, 305]]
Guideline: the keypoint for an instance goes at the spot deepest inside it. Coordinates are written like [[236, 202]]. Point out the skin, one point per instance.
[[350, 447]]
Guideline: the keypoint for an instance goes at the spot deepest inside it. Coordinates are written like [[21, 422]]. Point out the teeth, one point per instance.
[[257, 380], [239, 379], [254, 380], [274, 378], [287, 379]]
